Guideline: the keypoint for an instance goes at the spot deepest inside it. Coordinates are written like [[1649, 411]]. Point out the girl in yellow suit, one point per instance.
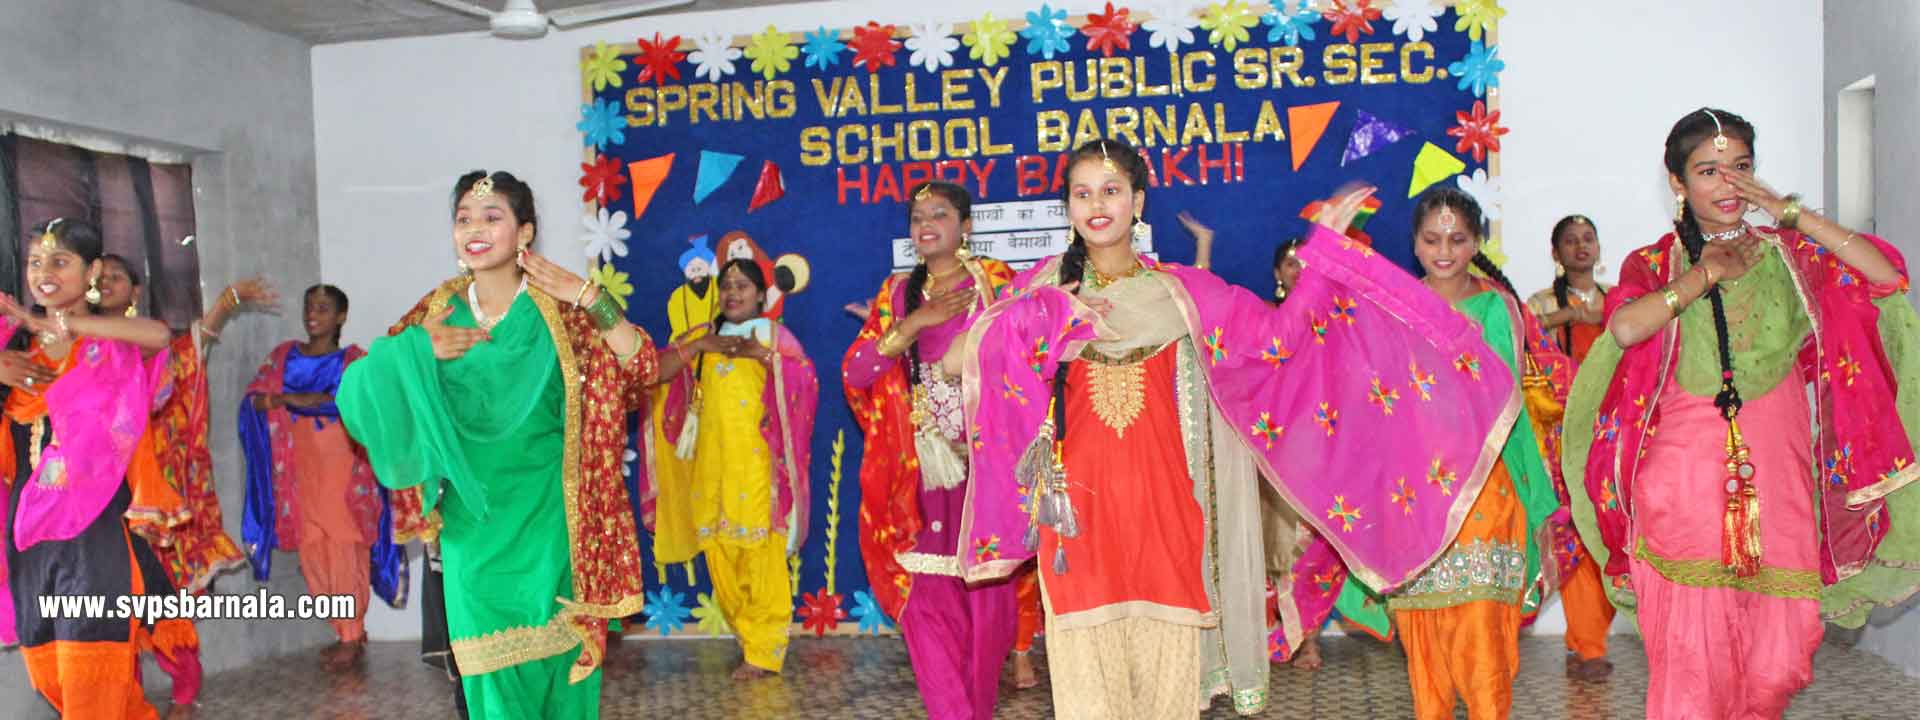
[[728, 454]]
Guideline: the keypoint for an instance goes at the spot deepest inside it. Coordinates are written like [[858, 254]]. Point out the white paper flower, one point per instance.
[[1485, 190], [1172, 26], [606, 234], [713, 56], [932, 45], [627, 462], [1413, 18]]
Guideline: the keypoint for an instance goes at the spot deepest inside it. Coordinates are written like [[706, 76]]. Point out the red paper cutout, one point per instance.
[[1479, 132], [1353, 22], [1109, 32], [771, 187], [659, 60], [602, 179], [874, 46]]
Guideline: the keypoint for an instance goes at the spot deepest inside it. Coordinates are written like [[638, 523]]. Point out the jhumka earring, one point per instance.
[[1679, 208], [1558, 269], [133, 309], [93, 291], [1139, 229], [965, 251]]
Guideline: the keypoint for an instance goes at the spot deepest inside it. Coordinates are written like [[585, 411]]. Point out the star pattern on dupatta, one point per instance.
[[1606, 428], [986, 548], [1439, 474], [1327, 418], [1319, 326], [1840, 466], [1265, 429], [1468, 363], [1383, 396], [1899, 464], [1216, 342], [1276, 354], [1849, 368], [1340, 511], [1343, 308], [1009, 390], [1404, 496], [1037, 358], [1423, 381]]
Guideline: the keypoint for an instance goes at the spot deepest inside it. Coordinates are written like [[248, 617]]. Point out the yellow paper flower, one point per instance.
[[771, 53], [989, 41], [603, 67], [1478, 17], [1226, 24], [1494, 251], [612, 281]]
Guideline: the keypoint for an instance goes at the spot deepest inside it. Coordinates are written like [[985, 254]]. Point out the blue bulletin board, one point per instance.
[[799, 147]]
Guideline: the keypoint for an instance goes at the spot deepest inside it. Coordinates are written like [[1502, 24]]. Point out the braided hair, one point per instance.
[[1073, 264], [962, 202], [1694, 128], [1561, 285], [1452, 198]]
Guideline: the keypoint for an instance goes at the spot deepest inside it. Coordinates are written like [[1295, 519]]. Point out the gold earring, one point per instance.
[[1139, 229], [1558, 269], [1679, 207], [965, 252], [133, 309], [462, 263], [93, 291]]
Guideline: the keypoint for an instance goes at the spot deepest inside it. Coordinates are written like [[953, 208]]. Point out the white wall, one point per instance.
[[1590, 90], [1877, 37]]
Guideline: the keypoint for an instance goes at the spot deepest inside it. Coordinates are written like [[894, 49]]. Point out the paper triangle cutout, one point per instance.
[[715, 169], [1371, 134], [1308, 123], [770, 187], [647, 175], [1432, 166]]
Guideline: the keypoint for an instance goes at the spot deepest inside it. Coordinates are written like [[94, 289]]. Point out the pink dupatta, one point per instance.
[[1329, 392]]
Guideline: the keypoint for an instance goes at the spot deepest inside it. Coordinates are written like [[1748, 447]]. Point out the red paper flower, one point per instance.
[[1353, 22], [1478, 131], [820, 611], [602, 179], [660, 60], [874, 46], [1109, 32]]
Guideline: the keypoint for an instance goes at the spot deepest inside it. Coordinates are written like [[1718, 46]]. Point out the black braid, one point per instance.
[[1073, 264], [1492, 271], [1728, 399], [916, 283], [1560, 286]]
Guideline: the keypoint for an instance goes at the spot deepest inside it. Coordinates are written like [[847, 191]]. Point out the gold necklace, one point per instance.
[[1100, 279], [934, 278]]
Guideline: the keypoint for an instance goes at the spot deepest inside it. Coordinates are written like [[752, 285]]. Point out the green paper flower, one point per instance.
[[613, 281], [990, 40]]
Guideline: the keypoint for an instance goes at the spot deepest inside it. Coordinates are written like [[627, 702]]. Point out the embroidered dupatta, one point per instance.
[[1320, 392], [200, 549], [890, 518], [1862, 365]]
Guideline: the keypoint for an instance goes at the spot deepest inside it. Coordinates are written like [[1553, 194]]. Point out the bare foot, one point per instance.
[[1024, 676], [1595, 670], [748, 671], [180, 711], [349, 654], [1309, 657], [329, 652]]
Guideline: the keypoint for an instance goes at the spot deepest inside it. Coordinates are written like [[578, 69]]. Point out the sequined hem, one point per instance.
[[920, 563], [1775, 581], [1482, 570], [506, 648]]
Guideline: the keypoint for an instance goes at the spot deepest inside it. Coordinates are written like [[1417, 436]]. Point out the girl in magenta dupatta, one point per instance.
[[1732, 563], [80, 512], [1313, 395]]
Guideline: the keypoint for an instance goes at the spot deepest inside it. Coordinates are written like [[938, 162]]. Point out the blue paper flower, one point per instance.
[[823, 48], [1480, 69], [867, 611], [602, 123], [665, 613], [1047, 32], [1290, 29]]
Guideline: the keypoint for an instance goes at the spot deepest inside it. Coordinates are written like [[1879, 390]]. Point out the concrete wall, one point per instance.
[[242, 99], [1881, 38]]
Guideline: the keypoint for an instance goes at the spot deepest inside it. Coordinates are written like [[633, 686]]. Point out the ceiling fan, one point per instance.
[[520, 20]]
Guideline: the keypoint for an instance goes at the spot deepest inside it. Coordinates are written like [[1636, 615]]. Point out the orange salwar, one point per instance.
[[1589, 612], [89, 679], [1027, 595], [1470, 648], [334, 557]]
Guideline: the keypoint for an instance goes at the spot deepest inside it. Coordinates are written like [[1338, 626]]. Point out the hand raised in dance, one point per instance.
[[552, 279], [256, 292], [1756, 193], [939, 309], [1730, 259], [1100, 306], [862, 310], [18, 370], [1339, 212], [1202, 240], [450, 342]]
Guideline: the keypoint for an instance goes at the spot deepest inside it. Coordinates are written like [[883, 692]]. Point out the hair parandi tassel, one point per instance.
[[1740, 532]]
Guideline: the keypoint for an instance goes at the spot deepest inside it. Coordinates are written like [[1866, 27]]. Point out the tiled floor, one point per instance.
[[868, 677]]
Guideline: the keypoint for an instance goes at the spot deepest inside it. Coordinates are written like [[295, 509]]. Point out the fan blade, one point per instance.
[[598, 12], [465, 7]]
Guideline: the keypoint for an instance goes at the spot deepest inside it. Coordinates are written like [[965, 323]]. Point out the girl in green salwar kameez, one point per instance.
[[497, 407]]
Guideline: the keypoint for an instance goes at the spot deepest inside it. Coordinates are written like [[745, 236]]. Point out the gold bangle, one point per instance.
[[890, 344], [581, 296], [1672, 299], [1790, 215], [1844, 243]]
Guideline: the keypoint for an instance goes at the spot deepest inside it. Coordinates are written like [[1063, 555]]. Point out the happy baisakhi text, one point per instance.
[[1195, 141]]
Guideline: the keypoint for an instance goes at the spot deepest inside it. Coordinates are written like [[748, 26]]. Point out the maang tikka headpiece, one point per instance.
[[1107, 162], [926, 191], [482, 188], [1719, 132], [1448, 220], [47, 240]]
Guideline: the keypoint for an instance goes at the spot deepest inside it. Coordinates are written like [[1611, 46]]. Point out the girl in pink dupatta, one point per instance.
[[79, 513], [731, 481], [1121, 411], [1731, 524]]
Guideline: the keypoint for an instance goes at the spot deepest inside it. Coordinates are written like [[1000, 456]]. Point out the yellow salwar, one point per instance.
[[732, 505]]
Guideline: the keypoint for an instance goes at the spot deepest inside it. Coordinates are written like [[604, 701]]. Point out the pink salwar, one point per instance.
[[958, 639]]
